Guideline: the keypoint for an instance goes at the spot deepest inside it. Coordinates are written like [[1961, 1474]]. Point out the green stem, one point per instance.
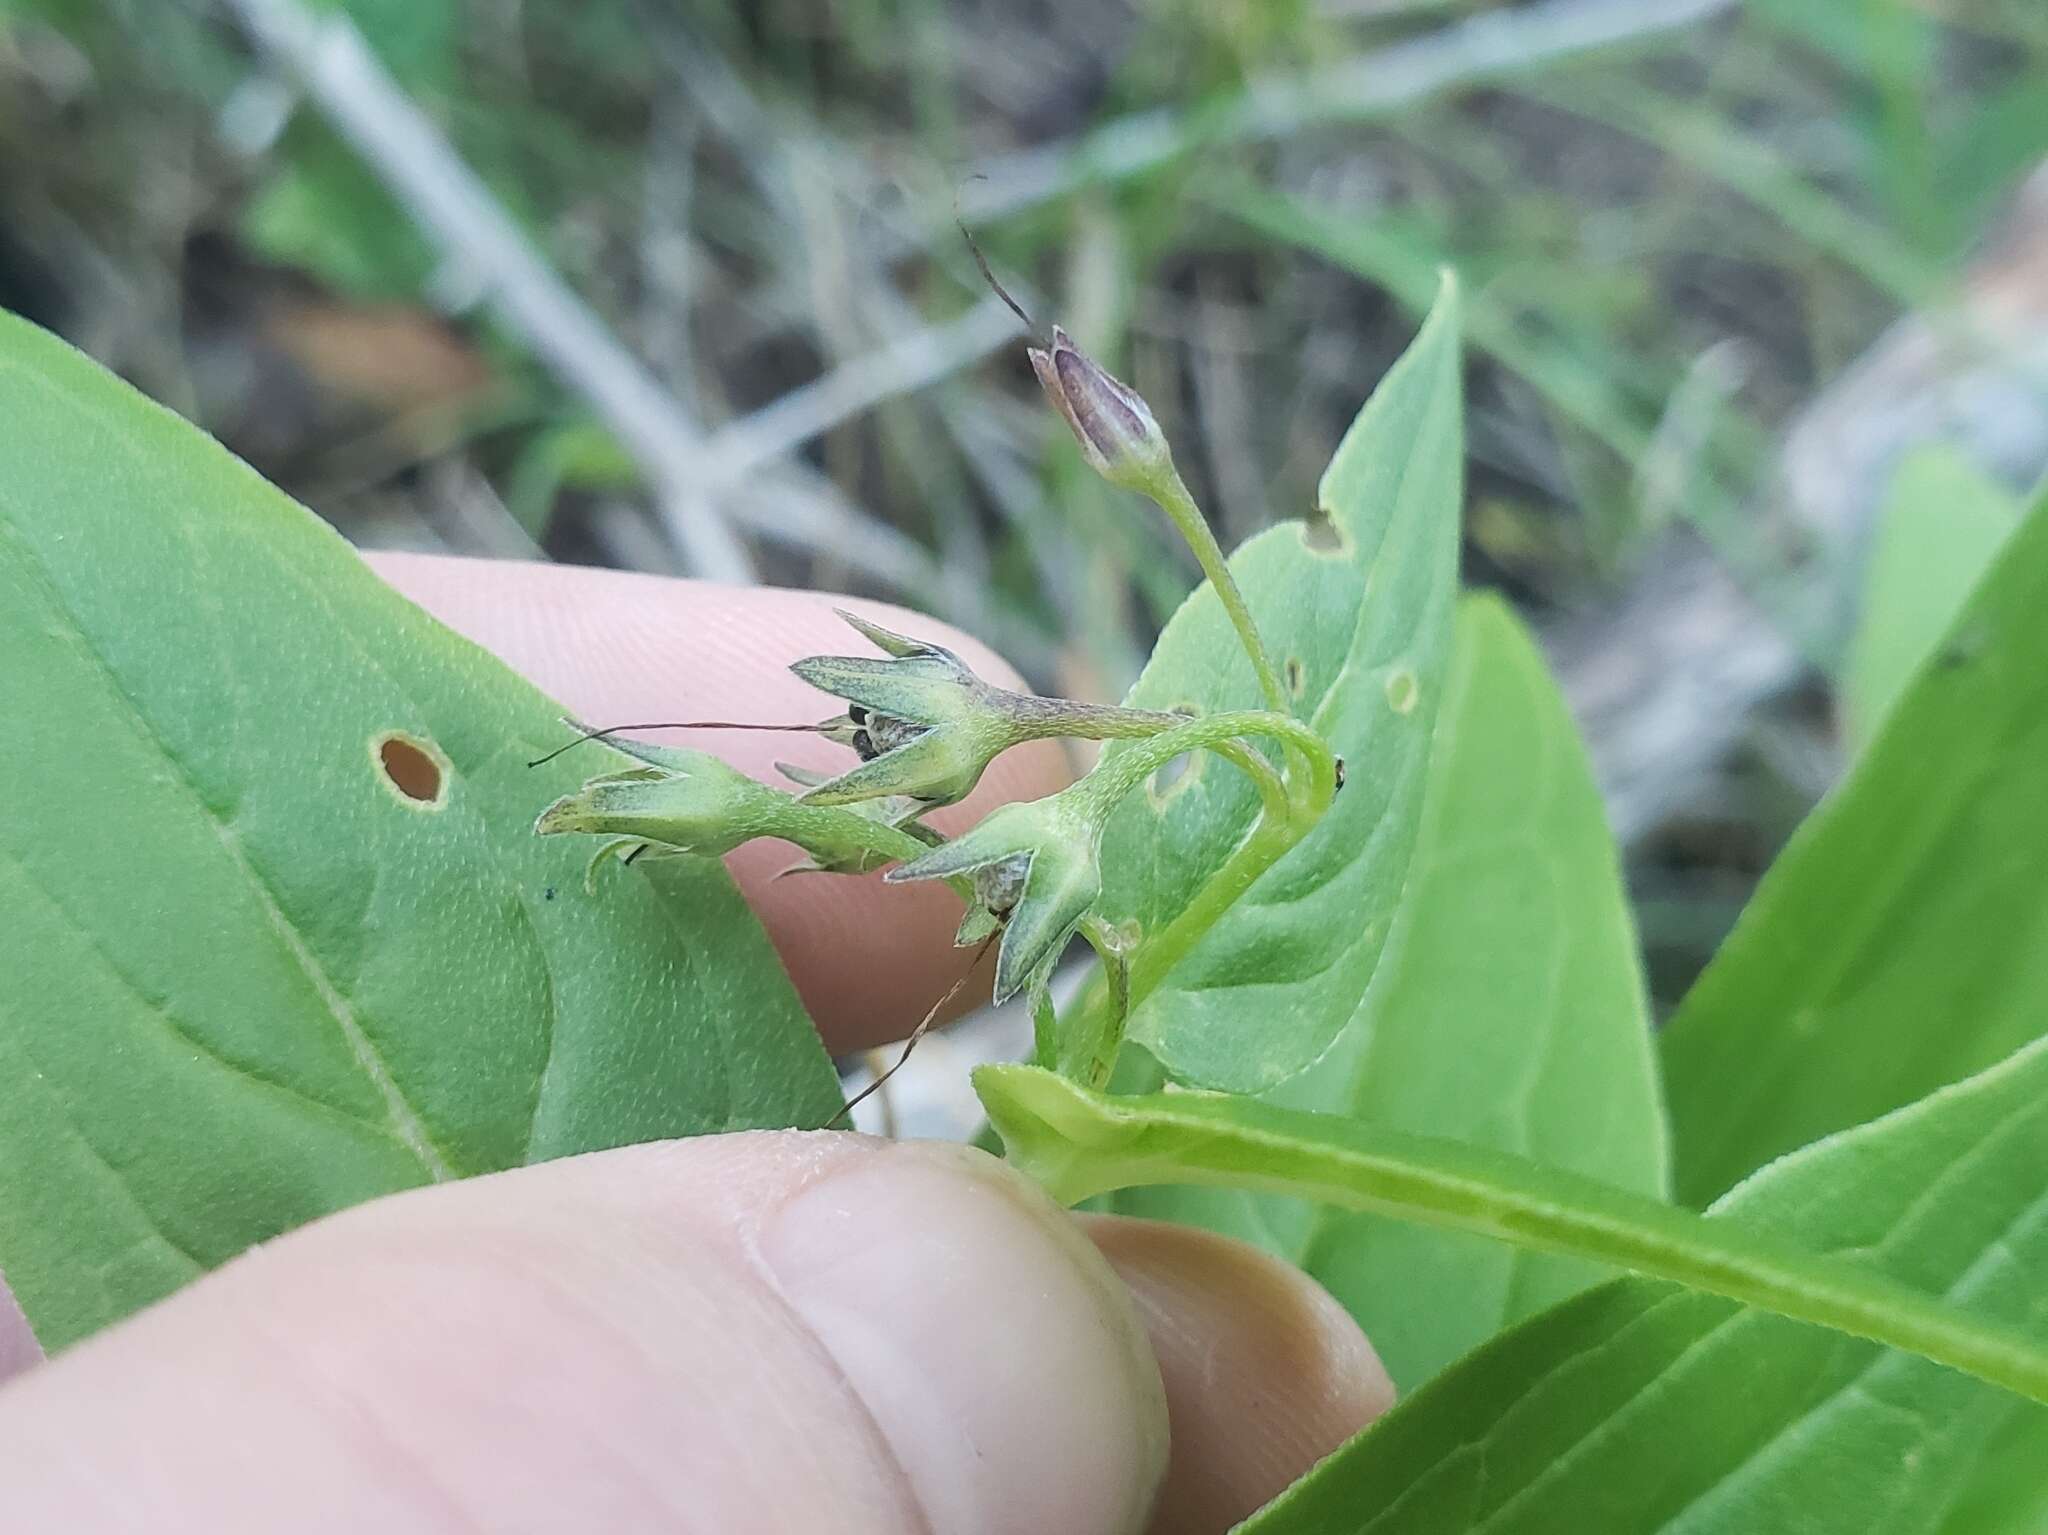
[[1283, 821], [1268, 843], [1269, 840], [1038, 718], [830, 831], [1094, 1055], [1172, 494], [1081, 1143], [1273, 795], [1116, 776], [1034, 718], [826, 831]]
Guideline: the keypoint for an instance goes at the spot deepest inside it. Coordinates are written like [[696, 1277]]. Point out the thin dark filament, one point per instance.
[[612, 730], [923, 1028], [989, 277]]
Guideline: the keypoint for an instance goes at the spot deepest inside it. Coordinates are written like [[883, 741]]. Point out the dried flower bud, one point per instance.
[[1118, 435]]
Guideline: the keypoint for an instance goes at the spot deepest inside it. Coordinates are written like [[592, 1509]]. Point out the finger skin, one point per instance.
[[18, 1346], [1265, 1373], [771, 1331], [867, 958]]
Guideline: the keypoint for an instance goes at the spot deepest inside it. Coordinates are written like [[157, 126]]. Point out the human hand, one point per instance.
[[765, 1331]]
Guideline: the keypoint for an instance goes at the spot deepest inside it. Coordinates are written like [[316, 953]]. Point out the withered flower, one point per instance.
[[1118, 435]]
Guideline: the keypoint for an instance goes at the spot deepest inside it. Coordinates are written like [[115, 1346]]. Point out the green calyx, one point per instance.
[[1056, 844], [688, 802], [927, 727]]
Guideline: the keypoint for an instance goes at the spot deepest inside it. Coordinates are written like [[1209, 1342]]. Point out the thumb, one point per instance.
[[743, 1332]]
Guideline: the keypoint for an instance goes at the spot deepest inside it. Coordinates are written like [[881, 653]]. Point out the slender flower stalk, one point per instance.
[[1117, 776], [1090, 1056], [1122, 442], [1173, 497]]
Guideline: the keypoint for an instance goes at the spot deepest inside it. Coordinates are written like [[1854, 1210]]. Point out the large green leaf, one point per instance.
[[247, 979], [1080, 1143], [1942, 526], [1357, 615], [1509, 1013], [1901, 940], [1641, 1407]]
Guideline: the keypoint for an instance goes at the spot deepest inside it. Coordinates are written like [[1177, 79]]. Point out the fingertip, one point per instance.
[[18, 1346], [1230, 1326], [761, 1331]]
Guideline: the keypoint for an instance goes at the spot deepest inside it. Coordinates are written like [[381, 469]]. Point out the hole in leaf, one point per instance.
[[1321, 535], [1169, 778], [1294, 675], [411, 769]]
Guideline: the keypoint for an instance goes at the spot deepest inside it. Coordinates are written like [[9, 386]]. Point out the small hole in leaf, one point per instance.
[[1321, 535], [1169, 778], [1402, 690], [412, 769], [1296, 678]]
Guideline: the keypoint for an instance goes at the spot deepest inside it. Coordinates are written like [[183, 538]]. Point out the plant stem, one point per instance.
[[1171, 492], [1035, 718], [1060, 717], [1269, 840], [833, 830], [1081, 1143], [1283, 821], [1274, 797], [1097, 1060], [1117, 776]]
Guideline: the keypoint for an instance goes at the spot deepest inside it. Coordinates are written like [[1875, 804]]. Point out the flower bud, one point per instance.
[[1118, 435]]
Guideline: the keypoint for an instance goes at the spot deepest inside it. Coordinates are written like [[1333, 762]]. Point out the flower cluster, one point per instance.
[[924, 729]]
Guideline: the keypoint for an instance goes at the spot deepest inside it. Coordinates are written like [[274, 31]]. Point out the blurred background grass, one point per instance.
[[1729, 266]]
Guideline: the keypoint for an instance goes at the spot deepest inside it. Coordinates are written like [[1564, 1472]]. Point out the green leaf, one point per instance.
[[1641, 1407], [1901, 939], [1941, 527], [2006, 1492], [1080, 1143], [1509, 1013], [1358, 622], [249, 980], [1512, 1012]]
